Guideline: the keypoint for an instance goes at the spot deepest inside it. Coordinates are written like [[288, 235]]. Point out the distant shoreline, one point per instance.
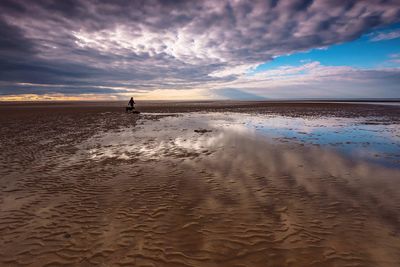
[[390, 109], [384, 100]]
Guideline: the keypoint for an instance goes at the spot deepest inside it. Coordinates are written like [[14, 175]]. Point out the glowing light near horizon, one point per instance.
[[58, 97], [165, 94], [170, 94]]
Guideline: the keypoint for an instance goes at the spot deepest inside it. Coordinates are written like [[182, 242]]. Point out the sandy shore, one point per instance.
[[89, 185]]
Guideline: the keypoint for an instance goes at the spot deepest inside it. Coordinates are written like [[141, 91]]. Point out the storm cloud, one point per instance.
[[88, 46]]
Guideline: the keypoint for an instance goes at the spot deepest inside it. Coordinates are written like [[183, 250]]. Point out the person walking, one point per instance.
[[131, 103]]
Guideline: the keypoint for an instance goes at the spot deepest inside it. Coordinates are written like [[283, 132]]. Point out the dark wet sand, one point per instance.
[[282, 108], [88, 185]]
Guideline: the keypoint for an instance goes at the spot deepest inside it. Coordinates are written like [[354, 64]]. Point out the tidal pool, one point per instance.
[[356, 138]]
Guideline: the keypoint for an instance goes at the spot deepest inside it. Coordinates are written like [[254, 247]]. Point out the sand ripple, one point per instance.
[[212, 199]]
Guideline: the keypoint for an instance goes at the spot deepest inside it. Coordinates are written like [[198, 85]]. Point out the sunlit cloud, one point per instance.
[[237, 70]]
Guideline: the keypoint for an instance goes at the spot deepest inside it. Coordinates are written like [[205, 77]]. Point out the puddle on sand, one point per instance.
[[170, 136], [357, 139]]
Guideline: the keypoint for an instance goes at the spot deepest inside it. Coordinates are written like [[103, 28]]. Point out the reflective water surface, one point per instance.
[[355, 138]]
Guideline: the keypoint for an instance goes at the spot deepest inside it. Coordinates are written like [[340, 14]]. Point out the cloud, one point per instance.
[[314, 80], [386, 36], [395, 58], [232, 71], [165, 45]]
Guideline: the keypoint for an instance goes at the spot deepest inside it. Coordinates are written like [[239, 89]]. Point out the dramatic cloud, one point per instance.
[[119, 47]]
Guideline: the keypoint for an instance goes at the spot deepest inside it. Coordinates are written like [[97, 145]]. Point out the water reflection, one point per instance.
[[355, 138], [235, 148]]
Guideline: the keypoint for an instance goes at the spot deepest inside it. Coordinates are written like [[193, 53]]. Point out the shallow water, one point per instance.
[[356, 138], [367, 139]]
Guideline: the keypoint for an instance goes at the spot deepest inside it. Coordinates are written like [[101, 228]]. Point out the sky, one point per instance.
[[199, 50]]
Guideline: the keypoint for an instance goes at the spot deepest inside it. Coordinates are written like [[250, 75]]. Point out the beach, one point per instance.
[[219, 183]]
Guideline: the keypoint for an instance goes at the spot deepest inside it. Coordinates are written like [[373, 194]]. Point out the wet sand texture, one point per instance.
[[169, 196]]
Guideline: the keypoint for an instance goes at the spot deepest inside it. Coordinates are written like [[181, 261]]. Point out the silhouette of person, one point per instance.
[[131, 103]]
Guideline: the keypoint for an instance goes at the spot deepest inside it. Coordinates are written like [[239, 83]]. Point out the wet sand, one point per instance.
[[85, 184]]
